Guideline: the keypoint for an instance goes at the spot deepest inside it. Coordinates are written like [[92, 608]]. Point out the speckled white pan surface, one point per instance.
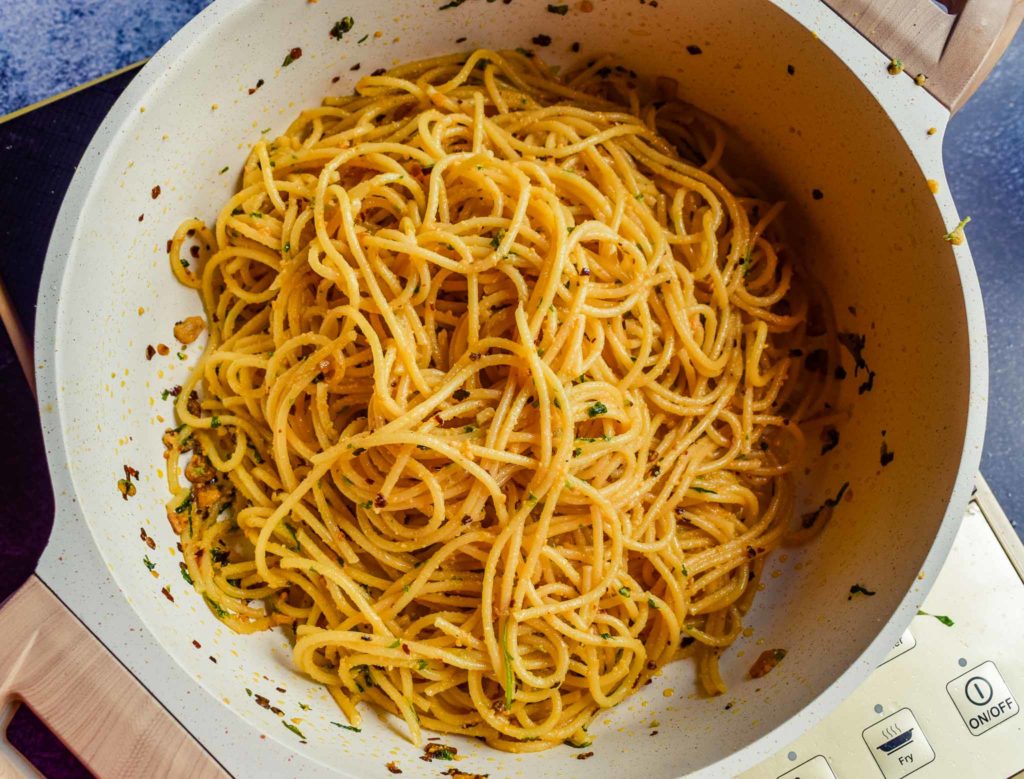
[[838, 124]]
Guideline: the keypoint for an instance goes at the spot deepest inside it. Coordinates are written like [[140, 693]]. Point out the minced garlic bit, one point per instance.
[[932, 130], [920, 78], [895, 67], [956, 235], [188, 330], [933, 186]]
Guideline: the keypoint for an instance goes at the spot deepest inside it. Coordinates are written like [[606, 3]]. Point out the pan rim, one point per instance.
[[114, 608]]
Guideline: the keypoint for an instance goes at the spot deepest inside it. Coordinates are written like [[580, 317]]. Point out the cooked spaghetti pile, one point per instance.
[[502, 394]]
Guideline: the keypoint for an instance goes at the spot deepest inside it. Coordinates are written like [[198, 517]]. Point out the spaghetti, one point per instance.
[[502, 394]]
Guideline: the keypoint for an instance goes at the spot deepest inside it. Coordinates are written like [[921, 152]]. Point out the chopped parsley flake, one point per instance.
[[561, 10], [149, 563], [216, 607], [624, 592], [341, 27], [570, 743], [289, 725], [956, 235], [940, 617], [347, 727], [597, 409]]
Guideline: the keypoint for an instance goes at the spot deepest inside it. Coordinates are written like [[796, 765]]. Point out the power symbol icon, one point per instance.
[[978, 690]]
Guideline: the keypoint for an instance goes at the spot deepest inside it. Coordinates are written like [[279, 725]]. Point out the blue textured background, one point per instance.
[[48, 46]]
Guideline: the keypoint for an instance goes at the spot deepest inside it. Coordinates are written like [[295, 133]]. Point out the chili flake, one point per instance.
[[766, 662]]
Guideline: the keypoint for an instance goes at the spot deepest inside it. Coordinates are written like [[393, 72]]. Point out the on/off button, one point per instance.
[[982, 698]]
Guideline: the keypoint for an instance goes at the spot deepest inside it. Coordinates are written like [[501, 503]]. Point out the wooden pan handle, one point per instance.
[[955, 50], [50, 662]]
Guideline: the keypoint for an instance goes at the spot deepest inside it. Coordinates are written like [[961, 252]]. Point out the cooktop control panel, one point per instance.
[[944, 703]]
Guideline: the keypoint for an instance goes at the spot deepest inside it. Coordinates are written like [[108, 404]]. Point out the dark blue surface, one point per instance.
[[49, 46], [984, 155]]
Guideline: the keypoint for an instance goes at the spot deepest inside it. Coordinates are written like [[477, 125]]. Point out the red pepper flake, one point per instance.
[[293, 55], [196, 644], [379, 72], [356, 66], [461, 40], [169, 242], [145, 537], [766, 662], [213, 659], [194, 251], [336, 79], [542, 40], [163, 350], [694, 49], [393, 767], [167, 593], [150, 351], [575, 48], [252, 90], [584, 756], [155, 192], [141, 217]]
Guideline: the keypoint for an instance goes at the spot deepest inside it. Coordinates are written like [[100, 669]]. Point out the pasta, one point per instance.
[[505, 383]]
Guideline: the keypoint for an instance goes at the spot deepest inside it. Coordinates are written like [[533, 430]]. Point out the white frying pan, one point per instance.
[[847, 144]]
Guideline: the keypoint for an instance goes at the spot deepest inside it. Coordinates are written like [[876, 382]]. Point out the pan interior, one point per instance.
[[874, 238]]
